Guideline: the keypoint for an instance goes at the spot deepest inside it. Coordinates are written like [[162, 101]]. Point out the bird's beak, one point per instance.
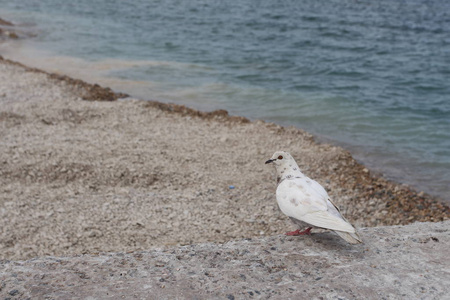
[[269, 161]]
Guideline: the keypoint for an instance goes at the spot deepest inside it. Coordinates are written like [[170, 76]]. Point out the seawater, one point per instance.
[[372, 76]]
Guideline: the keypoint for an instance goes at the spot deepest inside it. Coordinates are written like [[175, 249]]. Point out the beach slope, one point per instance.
[[80, 176]]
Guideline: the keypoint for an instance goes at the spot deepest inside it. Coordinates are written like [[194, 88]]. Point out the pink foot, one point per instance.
[[298, 232]]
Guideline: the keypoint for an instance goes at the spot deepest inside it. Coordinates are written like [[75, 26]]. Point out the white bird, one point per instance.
[[306, 202]]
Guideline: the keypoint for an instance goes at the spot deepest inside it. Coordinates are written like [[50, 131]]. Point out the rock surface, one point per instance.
[[398, 262]]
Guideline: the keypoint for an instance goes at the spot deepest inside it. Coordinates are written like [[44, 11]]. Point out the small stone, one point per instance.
[[13, 35]]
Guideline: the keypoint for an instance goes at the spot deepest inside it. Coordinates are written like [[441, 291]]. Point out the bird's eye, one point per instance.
[[280, 157]]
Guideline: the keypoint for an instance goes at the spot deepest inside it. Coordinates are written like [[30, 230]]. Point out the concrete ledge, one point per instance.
[[398, 262]]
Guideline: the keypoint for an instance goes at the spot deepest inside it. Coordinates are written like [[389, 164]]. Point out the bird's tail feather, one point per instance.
[[352, 238]]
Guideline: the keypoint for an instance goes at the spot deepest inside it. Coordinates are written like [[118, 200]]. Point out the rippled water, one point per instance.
[[373, 76]]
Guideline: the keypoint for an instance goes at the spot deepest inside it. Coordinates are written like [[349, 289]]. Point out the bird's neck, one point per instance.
[[289, 171]]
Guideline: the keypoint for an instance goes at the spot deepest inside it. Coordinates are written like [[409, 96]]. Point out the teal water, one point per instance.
[[372, 76]]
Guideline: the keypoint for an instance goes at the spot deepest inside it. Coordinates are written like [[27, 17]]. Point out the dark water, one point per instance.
[[373, 76]]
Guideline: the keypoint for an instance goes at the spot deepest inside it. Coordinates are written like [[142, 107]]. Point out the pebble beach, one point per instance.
[[87, 170]]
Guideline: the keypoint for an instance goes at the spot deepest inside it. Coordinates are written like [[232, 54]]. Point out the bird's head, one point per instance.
[[285, 165], [281, 158]]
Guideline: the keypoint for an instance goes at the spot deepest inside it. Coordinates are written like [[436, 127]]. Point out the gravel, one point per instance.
[[81, 176]]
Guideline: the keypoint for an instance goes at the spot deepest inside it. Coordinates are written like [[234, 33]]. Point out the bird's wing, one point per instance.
[[332, 208], [325, 219], [317, 187], [299, 200], [296, 198]]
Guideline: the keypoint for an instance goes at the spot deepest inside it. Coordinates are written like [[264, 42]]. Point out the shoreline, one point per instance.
[[132, 174], [401, 173], [373, 160], [96, 92]]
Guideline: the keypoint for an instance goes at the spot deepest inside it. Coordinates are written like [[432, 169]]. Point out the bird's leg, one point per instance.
[[307, 231]]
